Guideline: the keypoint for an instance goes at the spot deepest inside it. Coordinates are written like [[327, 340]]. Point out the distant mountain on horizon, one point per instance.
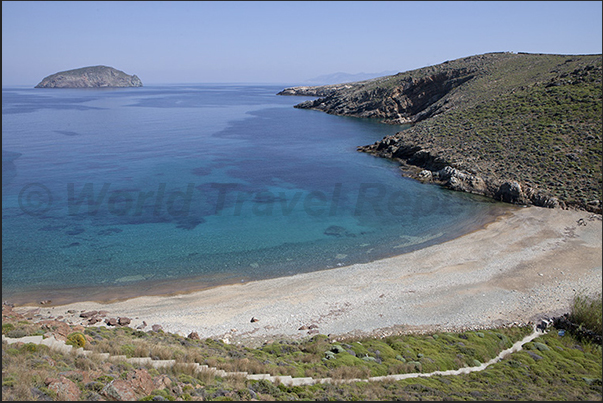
[[340, 77]]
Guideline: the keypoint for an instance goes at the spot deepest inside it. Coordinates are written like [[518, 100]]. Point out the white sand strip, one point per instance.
[[524, 266]]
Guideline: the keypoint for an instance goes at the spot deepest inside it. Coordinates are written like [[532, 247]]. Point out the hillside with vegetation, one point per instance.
[[563, 364], [521, 128]]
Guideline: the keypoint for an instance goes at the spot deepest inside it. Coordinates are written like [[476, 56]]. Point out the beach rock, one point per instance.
[[304, 327], [111, 321], [510, 192], [425, 175], [90, 77], [194, 336], [88, 314], [254, 319], [64, 388], [94, 320], [156, 327], [124, 321]]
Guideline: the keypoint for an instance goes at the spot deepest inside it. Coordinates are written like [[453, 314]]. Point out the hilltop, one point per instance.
[[90, 77], [520, 128]]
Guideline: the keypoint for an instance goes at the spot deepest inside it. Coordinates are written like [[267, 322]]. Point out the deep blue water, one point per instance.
[[170, 188]]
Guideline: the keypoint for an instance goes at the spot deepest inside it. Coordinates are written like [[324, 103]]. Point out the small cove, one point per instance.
[[156, 190]]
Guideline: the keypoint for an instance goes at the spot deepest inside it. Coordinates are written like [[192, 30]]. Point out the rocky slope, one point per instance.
[[90, 77], [520, 128]]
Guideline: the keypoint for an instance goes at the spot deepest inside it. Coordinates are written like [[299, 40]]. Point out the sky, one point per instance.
[[276, 42]]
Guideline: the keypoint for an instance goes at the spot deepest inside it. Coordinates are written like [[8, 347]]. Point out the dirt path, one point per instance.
[[286, 380]]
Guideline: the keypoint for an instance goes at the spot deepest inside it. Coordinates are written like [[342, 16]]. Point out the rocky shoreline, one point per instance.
[[519, 128], [430, 166]]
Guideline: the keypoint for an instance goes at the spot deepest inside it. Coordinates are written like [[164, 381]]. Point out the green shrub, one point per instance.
[[76, 339], [586, 311], [8, 381], [16, 333], [105, 378], [184, 378], [128, 350], [7, 327], [29, 347]]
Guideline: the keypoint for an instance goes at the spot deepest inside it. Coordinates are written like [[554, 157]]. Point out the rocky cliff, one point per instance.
[[520, 128], [90, 77]]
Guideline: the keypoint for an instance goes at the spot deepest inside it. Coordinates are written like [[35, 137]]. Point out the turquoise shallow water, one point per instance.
[[122, 192]]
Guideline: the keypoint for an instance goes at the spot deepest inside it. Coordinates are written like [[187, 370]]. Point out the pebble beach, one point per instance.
[[526, 265]]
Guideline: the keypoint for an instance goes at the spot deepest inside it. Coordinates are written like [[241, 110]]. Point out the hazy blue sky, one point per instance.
[[280, 42]]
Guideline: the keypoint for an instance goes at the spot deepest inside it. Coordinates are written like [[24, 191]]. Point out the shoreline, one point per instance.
[[523, 266], [134, 288]]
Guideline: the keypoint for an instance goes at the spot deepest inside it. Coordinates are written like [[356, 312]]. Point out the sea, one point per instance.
[[109, 194]]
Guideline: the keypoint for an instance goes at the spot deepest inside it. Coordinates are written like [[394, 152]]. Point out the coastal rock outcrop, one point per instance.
[[90, 77], [436, 169], [517, 127], [317, 91], [414, 99]]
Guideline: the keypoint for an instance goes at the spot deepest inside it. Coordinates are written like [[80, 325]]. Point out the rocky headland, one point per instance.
[[90, 77], [519, 128]]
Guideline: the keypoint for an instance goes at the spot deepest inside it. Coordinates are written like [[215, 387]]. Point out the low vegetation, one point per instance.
[[546, 136], [534, 119], [555, 366], [586, 311]]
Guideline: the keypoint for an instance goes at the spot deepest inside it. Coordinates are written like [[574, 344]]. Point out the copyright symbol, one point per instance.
[[35, 199]]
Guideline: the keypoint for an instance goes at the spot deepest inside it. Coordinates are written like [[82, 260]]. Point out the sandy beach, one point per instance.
[[526, 265]]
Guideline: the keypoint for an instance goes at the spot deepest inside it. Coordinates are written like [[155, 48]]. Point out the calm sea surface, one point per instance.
[[122, 192]]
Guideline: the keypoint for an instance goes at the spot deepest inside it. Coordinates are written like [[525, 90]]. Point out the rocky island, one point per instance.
[[90, 77], [520, 128]]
